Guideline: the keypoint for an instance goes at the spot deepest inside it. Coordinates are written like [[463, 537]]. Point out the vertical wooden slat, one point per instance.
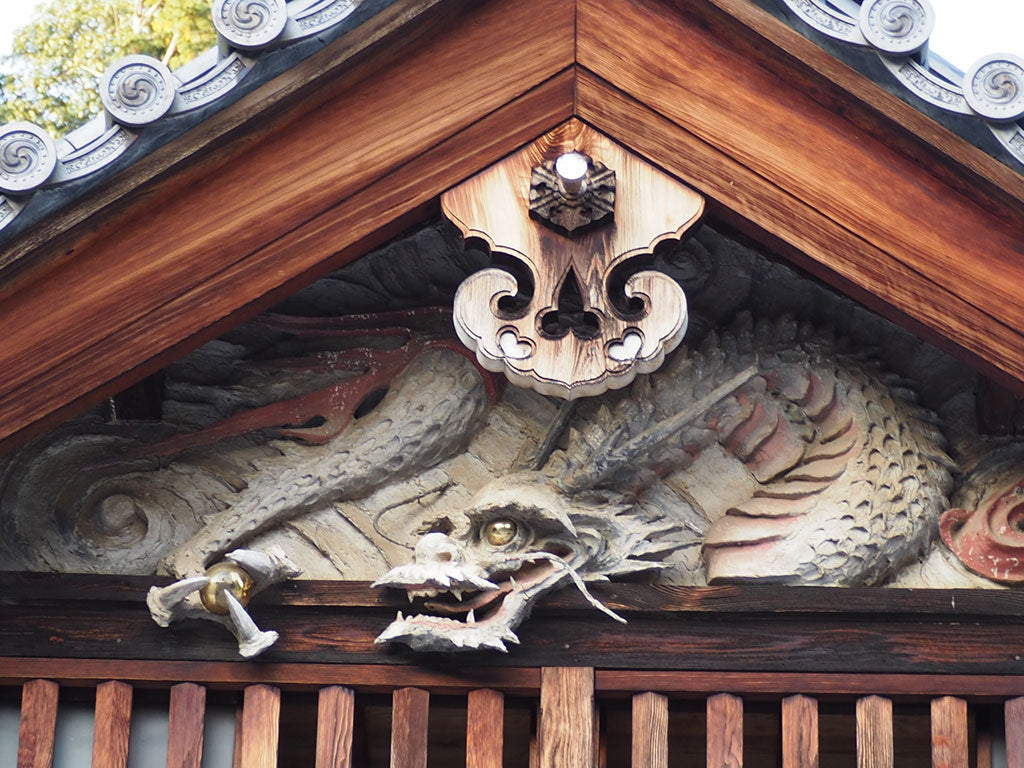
[[236, 755], [566, 727], [949, 733], [874, 732], [799, 732], [334, 725], [38, 722], [261, 714], [410, 710], [650, 730], [1014, 719], [725, 731], [185, 732], [485, 729], [113, 722]]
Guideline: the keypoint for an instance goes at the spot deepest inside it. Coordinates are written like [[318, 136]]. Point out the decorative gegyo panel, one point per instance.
[[572, 210]]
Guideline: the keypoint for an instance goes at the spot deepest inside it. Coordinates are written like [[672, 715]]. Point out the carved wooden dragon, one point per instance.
[[845, 482]]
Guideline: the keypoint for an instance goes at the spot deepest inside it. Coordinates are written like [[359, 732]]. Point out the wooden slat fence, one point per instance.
[[568, 727]]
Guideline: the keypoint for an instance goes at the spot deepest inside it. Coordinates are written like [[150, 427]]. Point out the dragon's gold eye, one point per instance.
[[500, 532]]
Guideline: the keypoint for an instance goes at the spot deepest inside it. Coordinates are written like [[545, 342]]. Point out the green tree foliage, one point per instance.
[[51, 76]]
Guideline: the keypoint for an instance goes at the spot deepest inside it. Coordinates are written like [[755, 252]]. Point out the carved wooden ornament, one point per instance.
[[574, 337]]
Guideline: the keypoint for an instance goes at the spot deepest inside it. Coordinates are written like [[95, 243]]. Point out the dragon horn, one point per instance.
[[610, 460]]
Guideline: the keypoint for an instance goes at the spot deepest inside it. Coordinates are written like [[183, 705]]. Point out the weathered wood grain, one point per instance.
[[650, 730], [868, 188], [112, 725], [185, 731], [261, 714], [566, 722], [334, 727], [173, 244], [409, 717], [802, 233], [253, 113], [38, 723], [949, 733], [874, 732], [725, 731], [799, 732], [875, 193], [1013, 718], [485, 728], [873, 106]]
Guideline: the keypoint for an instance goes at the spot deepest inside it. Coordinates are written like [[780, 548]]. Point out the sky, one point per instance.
[[965, 30]]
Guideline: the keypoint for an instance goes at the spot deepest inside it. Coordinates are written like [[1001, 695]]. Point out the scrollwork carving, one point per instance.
[[897, 26], [137, 90], [249, 24], [994, 87], [28, 157], [592, 322]]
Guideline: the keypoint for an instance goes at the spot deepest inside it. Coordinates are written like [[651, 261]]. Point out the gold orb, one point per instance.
[[501, 532], [225, 577]]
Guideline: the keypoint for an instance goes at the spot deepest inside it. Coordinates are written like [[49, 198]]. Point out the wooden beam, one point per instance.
[[725, 731], [255, 113], [799, 732], [813, 157], [485, 728], [409, 717], [112, 725], [949, 733], [142, 282], [808, 237], [650, 731], [566, 723], [261, 715], [185, 731], [874, 732], [38, 723], [334, 727]]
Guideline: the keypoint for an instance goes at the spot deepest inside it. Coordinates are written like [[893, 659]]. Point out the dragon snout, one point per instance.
[[438, 549]]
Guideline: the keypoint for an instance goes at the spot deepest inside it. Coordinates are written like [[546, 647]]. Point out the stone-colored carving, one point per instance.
[[827, 19], [590, 324], [250, 24], [994, 87], [213, 83], [136, 90], [98, 153], [927, 84], [221, 594], [318, 15], [897, 26], [28, 157]]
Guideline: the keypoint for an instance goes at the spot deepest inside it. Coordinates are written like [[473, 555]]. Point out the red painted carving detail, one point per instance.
[[989, 539]]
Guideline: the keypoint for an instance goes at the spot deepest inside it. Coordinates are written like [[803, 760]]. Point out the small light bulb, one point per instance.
[[572, 166]]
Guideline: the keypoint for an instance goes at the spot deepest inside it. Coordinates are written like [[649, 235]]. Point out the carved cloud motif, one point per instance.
[[616, 337]]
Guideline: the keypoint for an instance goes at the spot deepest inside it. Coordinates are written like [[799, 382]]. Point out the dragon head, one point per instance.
[[523, 536]]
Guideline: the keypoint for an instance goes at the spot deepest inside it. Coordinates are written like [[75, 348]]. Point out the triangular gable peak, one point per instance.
[[790, 145]]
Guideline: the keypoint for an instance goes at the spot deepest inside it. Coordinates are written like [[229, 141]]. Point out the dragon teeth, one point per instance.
[[399, 617], [471, 617], [513, 582], [411, 596], [458, 594]]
